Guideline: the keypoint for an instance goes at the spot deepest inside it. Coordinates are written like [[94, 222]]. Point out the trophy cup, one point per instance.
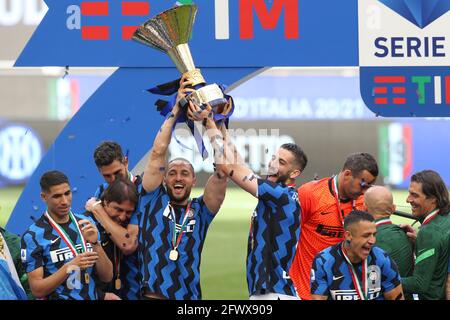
[[169, 32]]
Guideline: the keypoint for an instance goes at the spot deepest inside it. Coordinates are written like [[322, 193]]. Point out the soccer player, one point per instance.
[[275, 222], [429, 200], [115, 208], [111, 164], [172, 227], [325, 203], [354, 269], [390, 237], [61, 249]]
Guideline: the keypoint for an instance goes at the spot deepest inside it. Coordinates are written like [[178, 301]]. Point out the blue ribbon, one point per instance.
[[165, 108]]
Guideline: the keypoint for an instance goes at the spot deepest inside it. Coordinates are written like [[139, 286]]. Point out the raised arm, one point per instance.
[[226, 157], [155, 168], [215, 191], [103, 265]]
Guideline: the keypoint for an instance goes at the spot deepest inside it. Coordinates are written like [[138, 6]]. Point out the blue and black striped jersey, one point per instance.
[[178, 279], [43, 247], [330, 275], [273, 238]]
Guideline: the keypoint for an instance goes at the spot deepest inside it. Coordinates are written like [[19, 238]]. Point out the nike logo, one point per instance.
[[324, 213], [54, 240], [337, 278]]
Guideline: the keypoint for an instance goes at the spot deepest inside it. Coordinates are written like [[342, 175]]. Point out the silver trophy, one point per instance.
[[169, 32]]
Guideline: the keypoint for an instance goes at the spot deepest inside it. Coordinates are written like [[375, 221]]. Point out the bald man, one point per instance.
[[390, 237]]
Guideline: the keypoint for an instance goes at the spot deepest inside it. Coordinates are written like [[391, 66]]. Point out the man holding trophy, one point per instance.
[[169, 32], [172, 227]]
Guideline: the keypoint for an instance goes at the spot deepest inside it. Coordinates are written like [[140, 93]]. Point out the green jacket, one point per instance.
[[430, 269], [13, 242], [393, 240]]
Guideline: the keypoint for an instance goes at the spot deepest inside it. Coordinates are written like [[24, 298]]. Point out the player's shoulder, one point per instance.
[[432, 234], [330, 252], [274, 187], [359, 203], [379, 255], [38, 227], [315, 184]]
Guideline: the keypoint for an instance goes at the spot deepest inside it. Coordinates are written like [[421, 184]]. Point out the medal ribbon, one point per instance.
[[336, 197], [361, 288], [430, 217], [64, 235], [383, 222], [117, 258], [176, 241]]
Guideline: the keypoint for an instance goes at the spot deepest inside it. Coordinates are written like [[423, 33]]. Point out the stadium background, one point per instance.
[[318, 108]]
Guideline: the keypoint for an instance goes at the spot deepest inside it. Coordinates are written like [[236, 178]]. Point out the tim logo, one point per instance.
[[91, 17], [267, 13], [93, 11], [392, 90]]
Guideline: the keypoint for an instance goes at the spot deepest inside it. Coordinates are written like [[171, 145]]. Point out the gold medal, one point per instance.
[[173, 255], [86, 278], [118, 284]]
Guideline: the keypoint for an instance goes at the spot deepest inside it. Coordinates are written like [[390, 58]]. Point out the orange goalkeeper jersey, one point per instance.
[[321, 227]]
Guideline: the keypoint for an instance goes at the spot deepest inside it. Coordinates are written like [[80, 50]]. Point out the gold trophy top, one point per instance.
[[170, 32]]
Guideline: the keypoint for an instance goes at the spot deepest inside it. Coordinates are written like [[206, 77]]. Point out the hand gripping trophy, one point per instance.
[[169, 32]]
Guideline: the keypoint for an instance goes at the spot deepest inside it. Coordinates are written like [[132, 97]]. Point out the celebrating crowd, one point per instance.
[[141, 237]]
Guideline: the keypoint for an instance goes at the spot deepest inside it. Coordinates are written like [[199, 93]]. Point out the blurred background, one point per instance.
[[318, 108]]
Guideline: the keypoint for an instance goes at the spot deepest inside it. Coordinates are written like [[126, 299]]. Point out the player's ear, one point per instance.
[[295, 173], [348, 173], [348, 236], [44, 196], [125, 161]]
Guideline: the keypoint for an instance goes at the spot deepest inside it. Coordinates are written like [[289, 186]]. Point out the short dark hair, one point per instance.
[[106, 152], [119, 191], [299, 155], [433, 186], [356, 216], [358, 162], [52, 178], [185, 161]]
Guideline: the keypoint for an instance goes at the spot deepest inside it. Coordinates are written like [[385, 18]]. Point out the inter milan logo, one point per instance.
[[189, 228]]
